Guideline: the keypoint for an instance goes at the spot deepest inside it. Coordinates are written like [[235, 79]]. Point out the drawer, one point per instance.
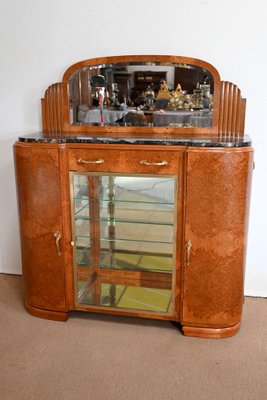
[[120, 161]]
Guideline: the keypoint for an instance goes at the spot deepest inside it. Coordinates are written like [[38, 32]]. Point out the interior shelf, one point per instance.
[[130, 294], [126, 260], [116, 220]]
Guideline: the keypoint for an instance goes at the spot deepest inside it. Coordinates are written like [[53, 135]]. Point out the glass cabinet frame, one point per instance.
[[112, 222]]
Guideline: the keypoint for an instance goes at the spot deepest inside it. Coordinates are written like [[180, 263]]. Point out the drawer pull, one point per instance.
[[82, 161], [160, 163]]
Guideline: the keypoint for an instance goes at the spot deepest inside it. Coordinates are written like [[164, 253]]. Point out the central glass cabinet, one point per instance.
[[123, 236]]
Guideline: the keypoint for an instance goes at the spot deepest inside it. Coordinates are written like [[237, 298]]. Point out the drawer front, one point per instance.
[[133, 161]]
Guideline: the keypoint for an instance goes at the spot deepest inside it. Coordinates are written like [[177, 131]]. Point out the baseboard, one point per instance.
[[256, 294]]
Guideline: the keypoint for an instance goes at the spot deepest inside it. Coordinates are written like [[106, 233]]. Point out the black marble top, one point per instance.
[[224, 140]]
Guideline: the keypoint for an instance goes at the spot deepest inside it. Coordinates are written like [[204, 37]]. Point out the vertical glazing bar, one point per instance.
[[94, 229], [111, 219]]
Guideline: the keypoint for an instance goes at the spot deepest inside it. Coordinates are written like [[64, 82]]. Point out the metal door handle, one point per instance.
[[188, 251], [57, 236]]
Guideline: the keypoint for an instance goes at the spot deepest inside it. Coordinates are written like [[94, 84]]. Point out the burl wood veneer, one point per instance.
[[212, 167], [217, 202]]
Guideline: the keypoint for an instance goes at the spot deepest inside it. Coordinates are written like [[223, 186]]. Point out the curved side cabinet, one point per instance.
[[38, 190], [217, 207]]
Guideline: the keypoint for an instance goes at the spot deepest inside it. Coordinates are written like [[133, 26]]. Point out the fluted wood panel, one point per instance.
[[52, 108], [232, 110]]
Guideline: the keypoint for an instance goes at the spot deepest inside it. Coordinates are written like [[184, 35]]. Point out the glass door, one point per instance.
[[124, 241]]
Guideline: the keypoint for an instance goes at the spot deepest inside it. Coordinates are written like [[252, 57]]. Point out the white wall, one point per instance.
[[40, 39]]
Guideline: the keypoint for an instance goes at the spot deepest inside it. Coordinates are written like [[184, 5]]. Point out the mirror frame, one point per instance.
[[68, 127]]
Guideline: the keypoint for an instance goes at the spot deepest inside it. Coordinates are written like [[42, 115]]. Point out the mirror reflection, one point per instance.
[[141, 94]]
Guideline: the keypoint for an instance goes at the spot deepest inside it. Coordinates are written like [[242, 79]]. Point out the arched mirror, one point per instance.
[[155, 94]]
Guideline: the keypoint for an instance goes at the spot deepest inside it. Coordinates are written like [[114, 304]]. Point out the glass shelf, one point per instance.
[[85, 199], [125, 296], [120, 259], [127, 211], [117, 220], [106, 239]]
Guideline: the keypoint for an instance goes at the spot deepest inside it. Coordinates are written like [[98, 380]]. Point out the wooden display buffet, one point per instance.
[[135, 218]]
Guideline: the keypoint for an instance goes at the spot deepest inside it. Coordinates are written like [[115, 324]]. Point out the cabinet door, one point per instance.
[[38, 185], [125, 231], [217, 202]]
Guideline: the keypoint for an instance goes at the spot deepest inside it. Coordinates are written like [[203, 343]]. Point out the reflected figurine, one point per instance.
[[178, 91], [99, 82], [163, 91]]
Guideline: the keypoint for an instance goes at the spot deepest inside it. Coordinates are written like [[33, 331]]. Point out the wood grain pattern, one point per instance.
[[121, 161], [212, 211], [217, 203], [211, 333], [47, 314], [38, 189]]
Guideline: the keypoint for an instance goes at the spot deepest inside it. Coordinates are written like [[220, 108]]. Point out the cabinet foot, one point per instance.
[[211, 333], [47, 314]]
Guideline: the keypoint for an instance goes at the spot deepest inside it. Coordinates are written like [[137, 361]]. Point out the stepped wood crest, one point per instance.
[[70, 106]]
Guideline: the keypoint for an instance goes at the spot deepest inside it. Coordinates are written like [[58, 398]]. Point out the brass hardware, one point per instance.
[[160, 163], [82, 161], [188, 250], [72, 243], [57, 236]]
